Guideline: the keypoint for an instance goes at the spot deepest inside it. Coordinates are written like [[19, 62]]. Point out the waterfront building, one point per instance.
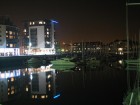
[[9, 37], [39, 37]]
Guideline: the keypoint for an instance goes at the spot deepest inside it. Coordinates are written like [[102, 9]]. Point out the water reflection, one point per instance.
[[44, 85], [29, 83]]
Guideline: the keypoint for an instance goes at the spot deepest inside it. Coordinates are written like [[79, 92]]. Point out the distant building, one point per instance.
[[9, 37], [39, 37], [87, 47]]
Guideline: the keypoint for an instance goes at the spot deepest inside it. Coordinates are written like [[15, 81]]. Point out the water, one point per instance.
[[45, 85]]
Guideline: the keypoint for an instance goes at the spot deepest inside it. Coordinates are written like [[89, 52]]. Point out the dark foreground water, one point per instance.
[[47, 86]]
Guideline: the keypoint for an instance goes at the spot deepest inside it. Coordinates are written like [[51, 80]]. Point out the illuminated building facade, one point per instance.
[[39, 37], [9, 37]]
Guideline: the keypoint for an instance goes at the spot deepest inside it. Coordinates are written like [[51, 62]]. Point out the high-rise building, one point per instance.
[[9, 37], [39, 37]]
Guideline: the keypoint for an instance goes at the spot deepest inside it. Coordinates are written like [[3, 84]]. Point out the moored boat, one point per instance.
[[62, 64]]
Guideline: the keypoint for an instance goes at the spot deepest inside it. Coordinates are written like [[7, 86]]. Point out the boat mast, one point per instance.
[[127, 36], [82, 50]]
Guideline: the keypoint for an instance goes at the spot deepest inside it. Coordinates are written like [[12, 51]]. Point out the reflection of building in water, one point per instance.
[[9, 85], [42, 83]]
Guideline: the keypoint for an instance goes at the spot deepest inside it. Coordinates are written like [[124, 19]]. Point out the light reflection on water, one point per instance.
[[45, 85]]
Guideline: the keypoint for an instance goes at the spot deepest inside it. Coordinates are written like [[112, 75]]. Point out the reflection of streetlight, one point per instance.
[[64, 46], [30, 44]]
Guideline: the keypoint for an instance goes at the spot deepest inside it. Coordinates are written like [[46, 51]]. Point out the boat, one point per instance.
[[62, 64]]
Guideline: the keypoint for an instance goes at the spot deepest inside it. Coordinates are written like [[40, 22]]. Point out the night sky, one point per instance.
[[79, 20]]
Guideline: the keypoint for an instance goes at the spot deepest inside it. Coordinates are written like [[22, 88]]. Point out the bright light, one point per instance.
[[120, 61], [56, 96], [120, 49], [54, 21], [30, 44]]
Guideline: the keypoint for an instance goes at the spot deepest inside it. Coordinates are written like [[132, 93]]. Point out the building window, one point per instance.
[[10, 32], [40, 22], [11, 45], [24, 30], [11, 37]]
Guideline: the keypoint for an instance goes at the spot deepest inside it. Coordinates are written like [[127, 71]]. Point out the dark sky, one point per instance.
[[79, 20]]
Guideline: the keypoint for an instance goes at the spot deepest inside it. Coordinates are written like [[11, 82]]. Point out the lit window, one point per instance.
[[47, 42], [11, 37], [49, 86], [47, 29], [26, 89], [43, 96], [40, 22], [33, 23], [30, 23], [10, 32], [46, 96], [44, 22], [24, 30], [6, 31], [120, 49], [12, 79], [11, 45], [12, 92], [33, 96], [49, 76], [47, 32]]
